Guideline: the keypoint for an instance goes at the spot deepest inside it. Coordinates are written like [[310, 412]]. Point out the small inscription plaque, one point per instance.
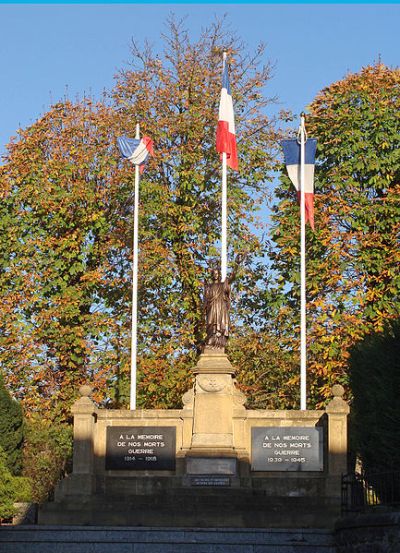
[[210, 481], [140, 448], [290, 448]]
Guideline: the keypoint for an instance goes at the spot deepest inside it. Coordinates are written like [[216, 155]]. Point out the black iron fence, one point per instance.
[[362, 492]]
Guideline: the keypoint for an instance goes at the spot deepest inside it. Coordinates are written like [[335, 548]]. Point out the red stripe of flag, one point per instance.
[[226, 136]]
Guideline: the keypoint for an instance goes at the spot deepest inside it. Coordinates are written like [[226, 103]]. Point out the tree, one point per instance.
[[66, 224], [176, 96], [375, 381], [57, 215], [7, 488], [266, 369], [353, 257], [11, 430]]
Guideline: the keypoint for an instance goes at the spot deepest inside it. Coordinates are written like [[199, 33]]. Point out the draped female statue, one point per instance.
[[217, 301]]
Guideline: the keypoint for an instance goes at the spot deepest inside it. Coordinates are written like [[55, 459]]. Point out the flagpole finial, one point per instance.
[[137, 131], [302, 127]]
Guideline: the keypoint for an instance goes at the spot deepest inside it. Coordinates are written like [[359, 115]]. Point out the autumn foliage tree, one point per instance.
[[66, 225], [66, 232], [177, 96], [58, 216], [353, 281]]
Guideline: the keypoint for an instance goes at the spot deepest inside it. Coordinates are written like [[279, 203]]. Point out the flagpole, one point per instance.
[[224, 217], [224, 255], [135, 283], [303, 345]]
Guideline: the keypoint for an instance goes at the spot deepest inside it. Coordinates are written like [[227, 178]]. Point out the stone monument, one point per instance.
[[212, 450], [212, 463]]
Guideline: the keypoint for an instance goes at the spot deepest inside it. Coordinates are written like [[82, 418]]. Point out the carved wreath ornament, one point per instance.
[[210, 383]]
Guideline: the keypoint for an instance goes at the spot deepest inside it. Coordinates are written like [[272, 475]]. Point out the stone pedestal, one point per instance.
[[212, 447], [338, 411], [82, 481]]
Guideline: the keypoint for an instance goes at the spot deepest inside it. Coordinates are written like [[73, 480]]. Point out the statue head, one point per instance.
[[215, 275]]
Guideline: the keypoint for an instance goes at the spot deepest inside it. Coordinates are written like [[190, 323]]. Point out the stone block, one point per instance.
[[207, 465]]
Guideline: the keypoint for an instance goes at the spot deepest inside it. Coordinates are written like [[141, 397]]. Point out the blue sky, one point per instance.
[[49, 50]]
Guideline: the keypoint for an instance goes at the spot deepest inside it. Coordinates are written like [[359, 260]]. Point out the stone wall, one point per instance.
[[214, 445]]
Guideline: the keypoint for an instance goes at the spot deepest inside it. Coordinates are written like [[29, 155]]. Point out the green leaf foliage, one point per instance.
[[353, 282], [66, 219], [7, 488], [47, 455], [12, 489], [11, 430], [375, 383]]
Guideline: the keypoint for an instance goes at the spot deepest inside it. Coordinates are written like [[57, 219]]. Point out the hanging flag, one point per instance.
[[226, 137], [135, 150], [291, 152]]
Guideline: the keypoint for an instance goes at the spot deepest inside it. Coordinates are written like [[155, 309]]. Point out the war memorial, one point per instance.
[[212, 463], [212, 474]]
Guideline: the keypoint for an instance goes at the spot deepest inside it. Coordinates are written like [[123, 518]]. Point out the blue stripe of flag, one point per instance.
[[225, 79], [127, 145], [291, 151]]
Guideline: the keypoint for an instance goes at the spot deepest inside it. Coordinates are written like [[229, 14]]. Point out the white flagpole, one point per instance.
[[303, 346], [135, 284], [224, 248]]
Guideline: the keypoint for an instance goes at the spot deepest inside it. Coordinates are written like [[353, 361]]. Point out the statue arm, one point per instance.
[[233, 274], [238, 262]]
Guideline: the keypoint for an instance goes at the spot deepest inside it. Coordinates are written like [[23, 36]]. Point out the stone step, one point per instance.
[[75, 539], [196, 510], [169, 485], [218, 498]]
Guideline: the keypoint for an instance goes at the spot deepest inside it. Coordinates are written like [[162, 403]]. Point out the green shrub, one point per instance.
[[47, 456], [11, 430], [12, 489], [23, 489]]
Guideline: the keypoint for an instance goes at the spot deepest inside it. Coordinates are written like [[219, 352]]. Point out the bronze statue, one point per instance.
[[217, 301]]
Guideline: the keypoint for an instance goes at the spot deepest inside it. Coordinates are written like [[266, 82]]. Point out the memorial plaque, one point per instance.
[[210, 481], [290, 448], [140, 448]]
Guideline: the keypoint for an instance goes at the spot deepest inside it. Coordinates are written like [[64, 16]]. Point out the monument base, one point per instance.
[[211, 501], [211, 464], [213, 405]]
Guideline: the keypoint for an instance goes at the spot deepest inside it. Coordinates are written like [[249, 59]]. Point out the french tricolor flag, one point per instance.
[[291, 152], [135, 150], [226, 137]]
